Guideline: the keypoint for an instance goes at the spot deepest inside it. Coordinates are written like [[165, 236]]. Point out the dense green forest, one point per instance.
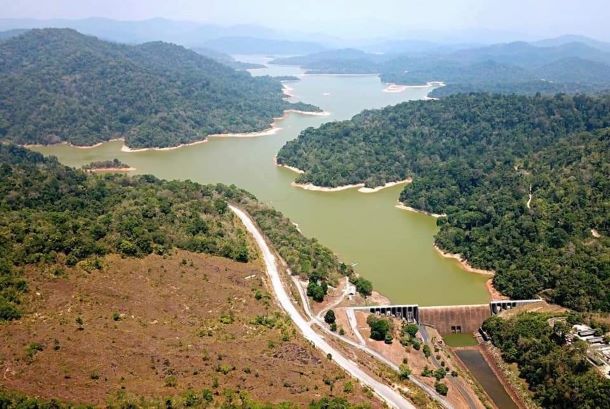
[[58, 85], [474, 158], [54, 216], [518, 67], [558, 373]]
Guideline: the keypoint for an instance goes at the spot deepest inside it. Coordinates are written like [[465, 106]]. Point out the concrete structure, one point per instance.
[[447, 319], [408, 312], [455, 318], [501, 305]]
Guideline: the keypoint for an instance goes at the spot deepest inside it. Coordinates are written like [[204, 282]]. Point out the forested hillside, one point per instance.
[[475, 158], [54, 216], [58, 85], [557, 372]]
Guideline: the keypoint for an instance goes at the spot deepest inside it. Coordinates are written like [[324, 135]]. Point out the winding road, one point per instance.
[[388, 394]]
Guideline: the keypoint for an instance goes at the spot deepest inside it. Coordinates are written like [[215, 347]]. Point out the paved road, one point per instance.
[[351, 317], [389, 395], [429, 390]]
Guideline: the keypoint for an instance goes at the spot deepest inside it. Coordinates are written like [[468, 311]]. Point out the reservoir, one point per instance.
[[391, 247]]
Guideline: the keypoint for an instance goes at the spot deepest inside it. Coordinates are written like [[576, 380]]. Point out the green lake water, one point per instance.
[[460, 340], [391, 247]]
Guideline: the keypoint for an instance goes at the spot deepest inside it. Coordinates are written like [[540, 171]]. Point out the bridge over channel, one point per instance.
[[447, 319]]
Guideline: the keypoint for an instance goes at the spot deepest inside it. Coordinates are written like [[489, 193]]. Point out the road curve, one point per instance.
[[389, 395], [363, 347]]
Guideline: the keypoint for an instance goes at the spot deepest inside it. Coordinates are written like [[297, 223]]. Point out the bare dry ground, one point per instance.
[[417, 361], [539, 307], [157, 326]]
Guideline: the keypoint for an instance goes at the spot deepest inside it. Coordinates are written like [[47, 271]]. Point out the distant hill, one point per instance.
[[226, 59], [252, 45], [346, 60], [575, 70], [516, 67], [570, 38], [527, 55], [59, 85], [5, 35], [185, 33], [415, 46]]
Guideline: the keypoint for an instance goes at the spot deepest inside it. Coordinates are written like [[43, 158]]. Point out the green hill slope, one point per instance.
[[52, 216], [59, 85], [474, 158]]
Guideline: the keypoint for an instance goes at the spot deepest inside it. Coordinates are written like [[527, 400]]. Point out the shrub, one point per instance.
[[426, 351], [329, 317], [441, 388], [32, 349], [440, 373], [410, 329], [8, 311], [405, 371]]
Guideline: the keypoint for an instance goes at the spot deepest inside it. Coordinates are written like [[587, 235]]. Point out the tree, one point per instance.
[[441, 388], [440, 373], [364, 286], [405, 371], [410, 329], [426, 350], [380, 327], [315, 291], [329, 317]]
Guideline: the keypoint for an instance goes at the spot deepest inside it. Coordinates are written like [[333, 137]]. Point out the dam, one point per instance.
[[448, 319]]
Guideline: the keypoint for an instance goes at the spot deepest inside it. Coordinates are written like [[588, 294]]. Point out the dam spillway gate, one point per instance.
[[446, 319]]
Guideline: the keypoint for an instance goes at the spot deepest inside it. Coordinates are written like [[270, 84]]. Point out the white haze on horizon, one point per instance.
[[356, 19]]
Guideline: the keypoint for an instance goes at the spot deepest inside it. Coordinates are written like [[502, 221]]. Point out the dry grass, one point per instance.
[[155, 327]]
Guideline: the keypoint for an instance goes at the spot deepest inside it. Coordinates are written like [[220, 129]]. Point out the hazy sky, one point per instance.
[[354, 18]]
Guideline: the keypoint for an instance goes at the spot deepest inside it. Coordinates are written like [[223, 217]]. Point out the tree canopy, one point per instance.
[[477, 158], [54, 216], [59, 85], [557, 373]]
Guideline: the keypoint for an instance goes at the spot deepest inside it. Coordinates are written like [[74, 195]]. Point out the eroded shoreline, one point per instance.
[[273, 129], [463, 262], [110, 170], [402, 206], [394, 88]]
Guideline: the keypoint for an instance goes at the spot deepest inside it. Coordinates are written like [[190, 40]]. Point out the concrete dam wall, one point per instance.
[[446, 319], [455, 318]]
